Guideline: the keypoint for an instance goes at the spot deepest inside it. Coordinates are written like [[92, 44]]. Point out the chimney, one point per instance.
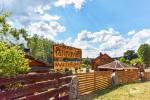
[[100, 54]]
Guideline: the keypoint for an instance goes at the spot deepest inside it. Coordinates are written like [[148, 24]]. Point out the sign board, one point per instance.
[[61, 52]]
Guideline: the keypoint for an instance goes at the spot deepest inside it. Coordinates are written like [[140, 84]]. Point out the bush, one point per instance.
[[135, 61], [12, 61], [122, 59]]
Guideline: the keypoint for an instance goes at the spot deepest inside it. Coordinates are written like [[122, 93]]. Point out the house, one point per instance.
[[36, 64], [102, 59]]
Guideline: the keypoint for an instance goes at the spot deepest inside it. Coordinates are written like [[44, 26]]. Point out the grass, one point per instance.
[[135, 91]]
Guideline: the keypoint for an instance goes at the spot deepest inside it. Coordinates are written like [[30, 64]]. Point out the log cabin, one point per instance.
[[36, 64], [102, 59]]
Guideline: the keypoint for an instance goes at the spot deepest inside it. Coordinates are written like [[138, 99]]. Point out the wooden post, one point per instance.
[[57, 86], [94, 80]]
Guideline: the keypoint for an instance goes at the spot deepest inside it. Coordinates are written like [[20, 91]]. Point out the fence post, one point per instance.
[[57, 86], [94, 80]]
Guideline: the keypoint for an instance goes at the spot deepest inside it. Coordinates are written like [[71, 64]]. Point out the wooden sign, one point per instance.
[[66, 52], [60, 65], [62, 52]]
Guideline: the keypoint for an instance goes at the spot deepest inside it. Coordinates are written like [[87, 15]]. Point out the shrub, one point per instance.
[[135, 61], [12, 61], [122, 59]]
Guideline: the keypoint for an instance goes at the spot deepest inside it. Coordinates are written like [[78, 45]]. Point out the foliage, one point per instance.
[[8, 33], [12, 60], [83, 65], [4, 26], [122, 59], [40, 48], [135, 61], [144, 53], [130, 54], [86, 62]]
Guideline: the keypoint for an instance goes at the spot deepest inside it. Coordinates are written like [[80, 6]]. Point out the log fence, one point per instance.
[[55, 86], [46, 86]]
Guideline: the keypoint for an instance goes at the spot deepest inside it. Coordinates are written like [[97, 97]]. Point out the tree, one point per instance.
[[136, 61], [4, 26], [122, 59], [12, 60], [40, 48], [9, 34], [144, 54], [86, 62], [130, 54]]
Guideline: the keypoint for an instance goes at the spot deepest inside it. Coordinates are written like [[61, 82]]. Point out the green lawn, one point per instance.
[[135, 91]]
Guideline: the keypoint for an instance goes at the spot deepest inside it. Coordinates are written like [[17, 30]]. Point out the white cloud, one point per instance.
[[138, 38], [48, 17], [35, 16], [48, 30], [148, 41], [40, 9], [131, 32], [63, 3], [109, 41]]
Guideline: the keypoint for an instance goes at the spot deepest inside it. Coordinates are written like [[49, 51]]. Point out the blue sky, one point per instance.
[[108, 26], [122, 15]]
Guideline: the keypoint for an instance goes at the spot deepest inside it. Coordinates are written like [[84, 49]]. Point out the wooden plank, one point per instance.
[[29, 89], [66, 97], [36, 87], [30, 77], [41, 96]]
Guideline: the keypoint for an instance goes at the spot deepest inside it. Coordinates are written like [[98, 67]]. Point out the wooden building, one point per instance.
[[102, 59], [116, 65], [37, 65]]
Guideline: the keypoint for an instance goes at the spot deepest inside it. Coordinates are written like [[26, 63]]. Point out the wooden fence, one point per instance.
[[55, 86], [128, 76], [45, 86], [89, 82], [147, 76]]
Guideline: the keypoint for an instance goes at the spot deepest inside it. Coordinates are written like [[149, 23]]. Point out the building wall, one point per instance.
[[102, 59]]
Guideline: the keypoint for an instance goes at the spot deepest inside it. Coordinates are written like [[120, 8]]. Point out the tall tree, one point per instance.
[[144, 54], [9, 34], [40, 47], [130, 54], [4, 26], [86, 62]]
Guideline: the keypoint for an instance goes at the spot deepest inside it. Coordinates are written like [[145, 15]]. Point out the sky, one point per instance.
[[107, 26]]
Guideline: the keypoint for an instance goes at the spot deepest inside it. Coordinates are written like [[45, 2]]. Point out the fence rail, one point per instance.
[[128, 76], [55, 85], [89, 82], [147, 76], [35, 87]]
